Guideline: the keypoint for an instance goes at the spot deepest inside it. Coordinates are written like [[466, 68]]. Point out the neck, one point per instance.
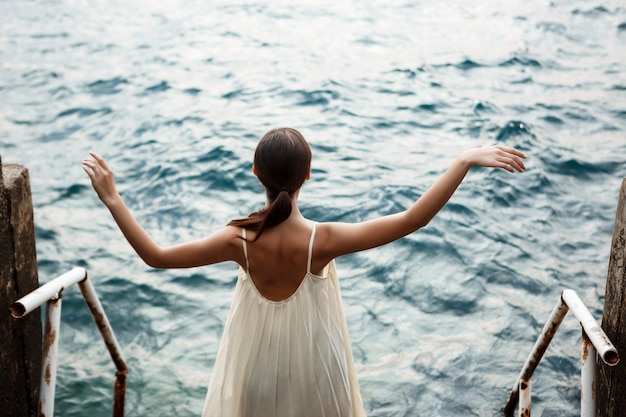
[[293, 197], [295, 210]]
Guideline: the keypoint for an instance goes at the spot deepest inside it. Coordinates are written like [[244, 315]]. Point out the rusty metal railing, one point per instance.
[[50, 294], [594, 343]]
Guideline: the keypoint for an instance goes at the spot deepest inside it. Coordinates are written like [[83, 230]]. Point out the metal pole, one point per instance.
[[102, 322], [524, 398], [119, 395], [587, 378], [29, 302], [50, 293], [550, 328], [600, 341], [50, 349]]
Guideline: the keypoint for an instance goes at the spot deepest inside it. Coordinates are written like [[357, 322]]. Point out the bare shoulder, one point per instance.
[[323, 246], [338, 238], [231, 236], [227, 244]]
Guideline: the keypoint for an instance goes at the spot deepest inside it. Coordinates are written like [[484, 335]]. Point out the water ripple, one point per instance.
[[177, 98], [107, 87]]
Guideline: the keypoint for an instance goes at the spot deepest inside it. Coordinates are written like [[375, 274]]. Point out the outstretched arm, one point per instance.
[[341, 238], [221, 246]]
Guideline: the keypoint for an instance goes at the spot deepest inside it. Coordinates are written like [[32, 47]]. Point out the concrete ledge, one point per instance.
[[611, 380], [20, 340]]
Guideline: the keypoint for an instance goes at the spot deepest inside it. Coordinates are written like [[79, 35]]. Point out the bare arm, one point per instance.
[[221, 246], [341, 238]]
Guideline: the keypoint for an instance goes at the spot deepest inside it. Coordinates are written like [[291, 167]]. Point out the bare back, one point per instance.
[[278, 260]]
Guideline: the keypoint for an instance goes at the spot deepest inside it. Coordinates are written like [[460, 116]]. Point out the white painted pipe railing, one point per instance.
[[594, 342], [50, 294]]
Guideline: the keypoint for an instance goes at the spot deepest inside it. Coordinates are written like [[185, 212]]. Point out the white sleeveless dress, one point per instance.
[[288, 358]]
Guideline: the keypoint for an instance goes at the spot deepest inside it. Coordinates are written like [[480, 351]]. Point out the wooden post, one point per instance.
[[20, 340], [611, 382]]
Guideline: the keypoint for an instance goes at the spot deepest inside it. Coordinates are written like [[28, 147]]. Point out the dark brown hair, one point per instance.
[[282, 162]]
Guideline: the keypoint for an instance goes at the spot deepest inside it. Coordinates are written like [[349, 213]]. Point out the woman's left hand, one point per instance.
[[496, 157]]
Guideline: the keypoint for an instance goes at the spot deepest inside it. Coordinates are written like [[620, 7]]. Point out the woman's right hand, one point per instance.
[[101, 177]]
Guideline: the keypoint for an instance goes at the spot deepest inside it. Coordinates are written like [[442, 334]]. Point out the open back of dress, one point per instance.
[[288, 358]]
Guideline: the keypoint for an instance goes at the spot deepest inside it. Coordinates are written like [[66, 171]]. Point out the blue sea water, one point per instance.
[[176, 94]]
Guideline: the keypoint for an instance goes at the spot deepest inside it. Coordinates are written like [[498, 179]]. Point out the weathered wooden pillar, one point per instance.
[[611, 382], [20, 340]]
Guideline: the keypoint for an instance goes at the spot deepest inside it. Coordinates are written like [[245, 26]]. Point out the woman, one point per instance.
[[285, 350]]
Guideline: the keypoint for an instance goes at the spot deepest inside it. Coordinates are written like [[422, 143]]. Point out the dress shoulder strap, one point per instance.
[[308, 261], [245, 248]]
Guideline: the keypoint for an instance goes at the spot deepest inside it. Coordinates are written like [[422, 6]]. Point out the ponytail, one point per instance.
[[277, 212], [282, 162]]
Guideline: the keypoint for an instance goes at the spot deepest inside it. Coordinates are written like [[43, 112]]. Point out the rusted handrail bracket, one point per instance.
[[593, 339], [50, 294]]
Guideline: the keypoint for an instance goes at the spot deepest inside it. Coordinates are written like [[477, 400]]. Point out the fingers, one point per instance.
[[507, 167], [510, 159], [90, 168], [512, 151], [97, 164], [99, 173], [87, 169], [100, 160], [514, 164]]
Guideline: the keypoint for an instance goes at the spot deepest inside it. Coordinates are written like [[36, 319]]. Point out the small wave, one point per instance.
[[106, 87], [145, 127], [83, 112], [512, 129], [464, 65], [50, 35], [180, 122], [525, 80], [552, 27], [70, 192], [27, 122], [620, 114], [484, 107], [216, 179], [420, 108], [366, 40], [583, 170], [7, 145], [461, 210], [409, 73], [621, 26], [234, 94], [468, 64], [40, 74], [427, 107], [59, 135], [192, 91], [522, 61], [581, 115], [60, 92], [552, 120], [45, 234], [461, 300], [316, 97], [497, 273], [593, 13], [216, 154], [400, 93], [539, 184], [157, 88]]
